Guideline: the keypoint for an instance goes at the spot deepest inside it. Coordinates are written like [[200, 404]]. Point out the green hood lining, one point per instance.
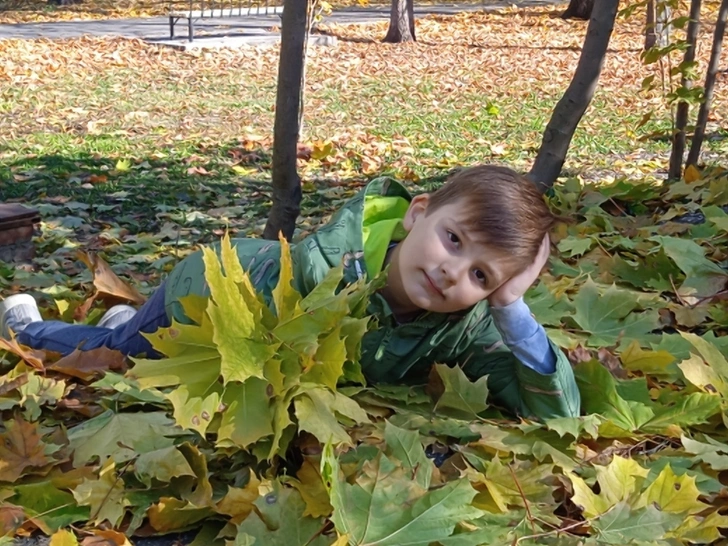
[[381, 224]]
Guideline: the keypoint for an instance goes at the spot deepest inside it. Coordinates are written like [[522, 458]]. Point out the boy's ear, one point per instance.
[[417, 207]]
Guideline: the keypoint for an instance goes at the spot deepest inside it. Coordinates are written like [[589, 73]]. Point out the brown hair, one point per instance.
[[503, 207]]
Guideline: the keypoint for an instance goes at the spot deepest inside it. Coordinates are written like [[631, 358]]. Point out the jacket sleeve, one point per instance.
[[514, 385]]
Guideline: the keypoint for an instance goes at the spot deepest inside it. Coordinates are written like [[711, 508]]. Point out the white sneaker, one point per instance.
[[116, 316], [16, 312]]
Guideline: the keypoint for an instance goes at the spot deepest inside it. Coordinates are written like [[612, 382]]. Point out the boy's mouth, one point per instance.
[[433, 287]]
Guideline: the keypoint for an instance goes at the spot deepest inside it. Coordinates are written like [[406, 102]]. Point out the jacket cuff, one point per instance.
[[524, 336]]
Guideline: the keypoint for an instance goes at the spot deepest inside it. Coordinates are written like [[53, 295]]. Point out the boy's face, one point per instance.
[[441, 266]]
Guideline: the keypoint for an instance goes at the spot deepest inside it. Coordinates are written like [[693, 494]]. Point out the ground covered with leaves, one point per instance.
[[136, 155], [35, 11]]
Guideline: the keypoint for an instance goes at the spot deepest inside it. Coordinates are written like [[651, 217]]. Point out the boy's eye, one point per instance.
[[480, 276], [453, 238]]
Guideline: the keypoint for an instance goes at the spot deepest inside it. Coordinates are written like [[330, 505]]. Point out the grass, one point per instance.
[[192, 132]]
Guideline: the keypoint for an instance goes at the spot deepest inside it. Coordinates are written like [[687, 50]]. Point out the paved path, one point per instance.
[[250, 30]]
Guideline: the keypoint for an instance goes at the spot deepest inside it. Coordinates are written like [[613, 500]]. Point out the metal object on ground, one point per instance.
[[16, 232], [208, 9]]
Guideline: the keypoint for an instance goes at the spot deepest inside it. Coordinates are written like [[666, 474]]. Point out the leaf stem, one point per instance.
[[525, 500]]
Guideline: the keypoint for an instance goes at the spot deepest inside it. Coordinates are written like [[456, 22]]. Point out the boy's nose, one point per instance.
[[451, 273]]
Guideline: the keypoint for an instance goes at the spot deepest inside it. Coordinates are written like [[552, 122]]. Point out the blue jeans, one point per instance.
[[64, 338]]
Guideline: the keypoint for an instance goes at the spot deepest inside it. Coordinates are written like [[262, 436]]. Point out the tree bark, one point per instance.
[[285, 180], [710, 76], [579, 9], [681, 116], [401, 22], [571, 107]]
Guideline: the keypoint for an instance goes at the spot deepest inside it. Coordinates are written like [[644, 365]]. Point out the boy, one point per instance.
[[459, 263]]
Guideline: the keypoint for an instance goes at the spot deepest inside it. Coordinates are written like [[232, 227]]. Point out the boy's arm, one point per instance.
[[524, 336], [516, 385], [526, 372]]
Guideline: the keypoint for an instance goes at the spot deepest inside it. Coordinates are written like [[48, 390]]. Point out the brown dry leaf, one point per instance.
[[20, 448], [311, 487], [107, 283], [198, 170], [11, 518], [80, 312], [33, 357], [238, 502], [9, 386], [692, 174], [96, 179], [579, 354], [612, 363], [87, 364], [106, 538]]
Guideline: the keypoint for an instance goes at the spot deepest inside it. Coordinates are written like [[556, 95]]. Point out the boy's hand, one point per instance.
[[516, 286]]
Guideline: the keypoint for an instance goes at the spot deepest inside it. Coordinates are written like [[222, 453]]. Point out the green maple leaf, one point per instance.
[[546, 307], [247, 417], [672, 493], [384, 506], [711, 451], [461, 397], [703, 278], [170, 514], [50, 508], [121, 436], [575, 246], [575, 425], [599, 394], [237, 336], [193, 360], [652, 271], [315, 413], [622, 524], [691, 409], [194, 413], [105, 496], [610, 315], [278, 520], [328, 363], [285, 297], [162, 465], [321, 310], [405, 446]]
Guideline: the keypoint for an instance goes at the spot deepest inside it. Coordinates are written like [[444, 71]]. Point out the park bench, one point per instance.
[[209, 9], [16, 232]]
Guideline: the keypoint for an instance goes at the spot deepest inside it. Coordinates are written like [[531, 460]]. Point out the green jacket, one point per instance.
[[393, 352]]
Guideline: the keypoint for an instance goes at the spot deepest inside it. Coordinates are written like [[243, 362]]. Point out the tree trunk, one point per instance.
[[709, 84], [571, 107], [681, 116], [285, 180], [658, 14], [579, 9], [401, 22]]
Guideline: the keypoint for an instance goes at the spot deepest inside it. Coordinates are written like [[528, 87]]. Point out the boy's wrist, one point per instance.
[[514, 321], [499, 301]]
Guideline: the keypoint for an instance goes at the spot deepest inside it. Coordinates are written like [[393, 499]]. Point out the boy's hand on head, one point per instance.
[[516, 286]]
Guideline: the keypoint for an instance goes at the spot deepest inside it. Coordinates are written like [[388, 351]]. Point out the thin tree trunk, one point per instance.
[[579, 9], [571, 107], [681, 116], [713, 65], [401, 22], [285, 180], [650, 19], [658, 14]]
